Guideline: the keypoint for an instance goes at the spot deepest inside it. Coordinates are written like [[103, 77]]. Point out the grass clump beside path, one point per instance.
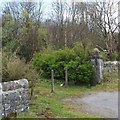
[[48, 105]]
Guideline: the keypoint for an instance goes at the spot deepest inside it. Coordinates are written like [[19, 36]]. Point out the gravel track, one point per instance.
[[104, 104]]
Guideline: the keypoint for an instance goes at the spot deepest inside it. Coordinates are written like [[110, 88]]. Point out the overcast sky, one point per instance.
[[47, 3]]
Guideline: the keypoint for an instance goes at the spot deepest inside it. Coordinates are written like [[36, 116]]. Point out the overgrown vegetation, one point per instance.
[[14, 68], [80, 69]]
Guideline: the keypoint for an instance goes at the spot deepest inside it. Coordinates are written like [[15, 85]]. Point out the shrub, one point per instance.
[[79, 67], [14, 68]]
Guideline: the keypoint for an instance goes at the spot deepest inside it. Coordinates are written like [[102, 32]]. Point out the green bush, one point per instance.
[[79, 67]]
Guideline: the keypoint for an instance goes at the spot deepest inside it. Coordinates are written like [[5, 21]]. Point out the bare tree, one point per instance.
[[58, 18], [106, 21]]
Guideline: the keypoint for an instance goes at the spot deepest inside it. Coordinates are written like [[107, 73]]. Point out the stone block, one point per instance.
[[14, 97]]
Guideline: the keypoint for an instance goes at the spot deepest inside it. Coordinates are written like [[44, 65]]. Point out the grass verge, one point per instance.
[[48, 105]]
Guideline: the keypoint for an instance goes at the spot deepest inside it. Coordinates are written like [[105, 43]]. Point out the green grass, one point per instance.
[[48, 105]]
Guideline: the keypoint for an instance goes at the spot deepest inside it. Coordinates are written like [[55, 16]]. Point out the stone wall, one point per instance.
[[1, 108], [14, 96], [110, 70]]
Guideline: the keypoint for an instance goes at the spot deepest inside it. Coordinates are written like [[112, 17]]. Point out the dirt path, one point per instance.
[[104, 104]]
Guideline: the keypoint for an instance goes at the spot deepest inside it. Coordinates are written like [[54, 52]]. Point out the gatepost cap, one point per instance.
[[96, 50]]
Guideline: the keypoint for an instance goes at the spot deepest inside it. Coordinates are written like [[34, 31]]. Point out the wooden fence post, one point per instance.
[[66, 77], [52, 78]]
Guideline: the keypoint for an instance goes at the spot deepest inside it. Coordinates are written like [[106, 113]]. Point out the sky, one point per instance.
[[47, 3]]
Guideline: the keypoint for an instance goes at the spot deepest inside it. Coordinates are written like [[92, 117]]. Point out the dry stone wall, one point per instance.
[[110, 67], [110, 70], [14, 97]]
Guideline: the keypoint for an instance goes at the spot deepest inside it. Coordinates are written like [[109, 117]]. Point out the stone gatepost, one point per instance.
[[97, 61]]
